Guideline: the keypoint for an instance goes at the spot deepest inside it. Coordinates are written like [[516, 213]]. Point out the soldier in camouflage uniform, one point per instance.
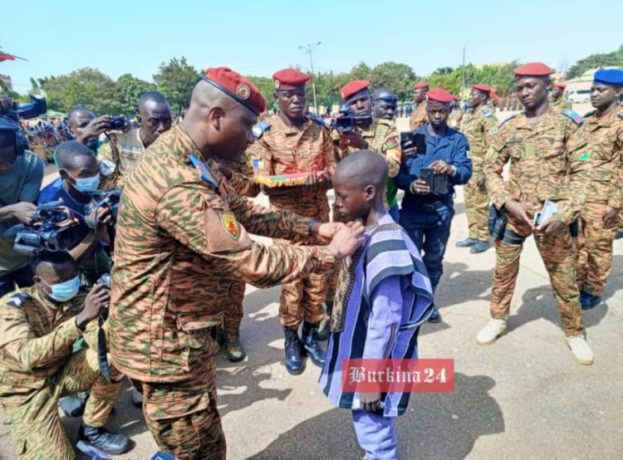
[[557, 97], [478, 124], [598, 219], [419, 116], [38, 326], [547, 162], [178, 244], [295, 143]]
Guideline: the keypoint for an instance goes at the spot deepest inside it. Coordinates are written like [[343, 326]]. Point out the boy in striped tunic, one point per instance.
[[383, 297]]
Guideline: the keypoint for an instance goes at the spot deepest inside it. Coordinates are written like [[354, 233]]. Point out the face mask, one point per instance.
[[67, 290], [87, 184]]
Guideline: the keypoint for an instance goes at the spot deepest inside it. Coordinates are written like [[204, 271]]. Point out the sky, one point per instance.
[[262, 36]]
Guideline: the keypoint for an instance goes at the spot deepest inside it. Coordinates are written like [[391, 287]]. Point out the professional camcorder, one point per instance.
[[54, 228], [346, 121], [119, 122], [38, 106], [102, 199]]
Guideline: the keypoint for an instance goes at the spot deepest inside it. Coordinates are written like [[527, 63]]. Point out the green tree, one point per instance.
[[176, 80], [266, 86], [613, 59], [86, 86], [394, 75], [128, 90]]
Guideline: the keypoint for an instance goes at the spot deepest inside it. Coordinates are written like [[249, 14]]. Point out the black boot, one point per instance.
[[294, 360], [73, 405], [104, 440], [310, 342]]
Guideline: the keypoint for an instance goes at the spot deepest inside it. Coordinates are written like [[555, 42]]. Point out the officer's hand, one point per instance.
[[441, 167], [370, 402], [419, 187], [327, 230], [96, 300], [610, 217], [519, 212], [23, 211], [353, 139], [93, 130], [346, 240], [225, 170], [551, 226]]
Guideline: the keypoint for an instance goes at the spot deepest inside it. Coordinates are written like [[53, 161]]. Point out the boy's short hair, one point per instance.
[[51, 258], [363, 168], [66, 152]]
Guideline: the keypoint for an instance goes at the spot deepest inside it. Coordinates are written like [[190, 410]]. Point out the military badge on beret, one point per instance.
[[230, 224], [243, 91]]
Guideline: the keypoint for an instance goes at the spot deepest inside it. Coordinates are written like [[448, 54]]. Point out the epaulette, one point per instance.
[[317, 119], [620, 115], [503, 122], [487, 112], [573, 116], [17, 300], [260, 129], [590, 114]]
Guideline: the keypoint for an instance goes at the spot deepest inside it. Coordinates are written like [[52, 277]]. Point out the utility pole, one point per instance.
[[309, 48], [463, 73]]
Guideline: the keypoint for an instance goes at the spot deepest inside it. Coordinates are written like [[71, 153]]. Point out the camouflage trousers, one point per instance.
[[36, 424], [558, 254], [184, 419], [302, 299], [476, 209], [234, 311], [594, 250]]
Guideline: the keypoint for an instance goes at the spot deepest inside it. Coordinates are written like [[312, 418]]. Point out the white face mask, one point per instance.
[[67, 290], [86, 184]]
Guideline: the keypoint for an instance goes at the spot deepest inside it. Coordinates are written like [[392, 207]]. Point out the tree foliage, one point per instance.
[[128, 90], [613, 59], [176, 80]]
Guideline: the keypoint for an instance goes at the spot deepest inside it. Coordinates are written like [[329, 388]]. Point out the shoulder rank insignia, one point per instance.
[[260, 129], [503, 122], [206, 175], [620, 115], [17, 300], [486, 111], [573, 116], [317, 119], [589, 114], [230, 224]]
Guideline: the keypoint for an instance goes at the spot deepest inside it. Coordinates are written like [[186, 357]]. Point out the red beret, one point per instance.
[[353, 87], [482, 87], [439, 95], [533, 69], [236, 86], [560, 85], [420, 84], [290, 77]]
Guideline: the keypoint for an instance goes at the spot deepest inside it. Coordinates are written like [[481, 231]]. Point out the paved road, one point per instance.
[[522, 397]]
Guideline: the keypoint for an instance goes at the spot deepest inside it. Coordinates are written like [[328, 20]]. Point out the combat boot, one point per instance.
[[589, 301], [466, 243], [104, 440], [582, 353], [233, 347], [294, 360], [480, 246], [310, 342], [324, 330], [73, 405], [492, 330], [435, 316]]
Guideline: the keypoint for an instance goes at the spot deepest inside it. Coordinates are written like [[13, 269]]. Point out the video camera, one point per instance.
[[346, 121], [102, 199], [119, 122], [54, 228], [38, 106]]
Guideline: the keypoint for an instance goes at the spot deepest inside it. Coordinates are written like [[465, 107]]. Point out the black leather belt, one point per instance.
[[432, 207]]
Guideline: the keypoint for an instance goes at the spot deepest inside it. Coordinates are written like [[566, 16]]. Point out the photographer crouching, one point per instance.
[[38, 328], [21, 173]]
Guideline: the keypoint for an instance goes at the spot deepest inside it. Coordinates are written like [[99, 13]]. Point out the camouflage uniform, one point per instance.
[[285, 149], [477, 127], [605, 147], [178, 237], [546, 164], [244, 185], [37, 367], [418, 117], [561, 104], [124, 150]]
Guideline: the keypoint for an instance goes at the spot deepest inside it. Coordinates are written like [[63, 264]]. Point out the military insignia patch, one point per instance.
[[230, 224], [243, 91], [584, 156]]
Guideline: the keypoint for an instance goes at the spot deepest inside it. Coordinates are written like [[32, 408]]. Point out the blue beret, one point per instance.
[[609, 77]]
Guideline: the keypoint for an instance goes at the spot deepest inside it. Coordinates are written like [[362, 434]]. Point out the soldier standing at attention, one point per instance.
[[598, 219], [296, 143], [179, 242], [384, 103], [419, 117], [478, 124], [547, 162], [556, 96]]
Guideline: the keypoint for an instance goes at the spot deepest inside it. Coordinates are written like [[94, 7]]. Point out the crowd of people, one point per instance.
[[139, 251]]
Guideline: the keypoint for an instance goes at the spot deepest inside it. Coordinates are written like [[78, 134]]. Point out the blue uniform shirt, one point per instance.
[[452, 148], [55, 191]]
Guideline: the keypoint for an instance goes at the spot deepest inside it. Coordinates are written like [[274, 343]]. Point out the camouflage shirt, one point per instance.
[[478, 126], [242, 178], [36, 338], [124, 150], [546, 163], [178, 238], [418, 117], [605, 149]]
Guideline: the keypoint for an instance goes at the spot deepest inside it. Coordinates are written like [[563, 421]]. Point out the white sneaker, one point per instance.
[[582, 353], [494, 329]]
